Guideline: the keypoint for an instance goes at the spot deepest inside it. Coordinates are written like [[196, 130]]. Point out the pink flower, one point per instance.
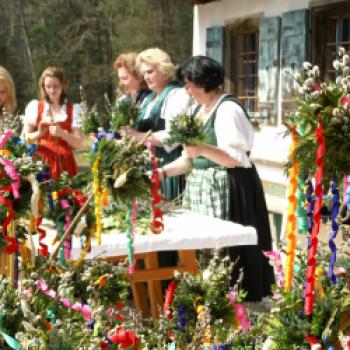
[[41, 285], [345, 101]]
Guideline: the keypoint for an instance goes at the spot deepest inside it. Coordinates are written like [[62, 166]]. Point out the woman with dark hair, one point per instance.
[[222, 181], [54, 123]]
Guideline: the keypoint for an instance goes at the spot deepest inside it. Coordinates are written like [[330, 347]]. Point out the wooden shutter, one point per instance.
[[294, 49], [269, 56], [215, 43]]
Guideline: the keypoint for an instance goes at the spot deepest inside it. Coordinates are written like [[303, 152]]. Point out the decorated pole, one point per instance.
[[292, 205], [312, 250]]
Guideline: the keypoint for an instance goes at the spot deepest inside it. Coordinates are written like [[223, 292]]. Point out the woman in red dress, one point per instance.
[[54, 123]]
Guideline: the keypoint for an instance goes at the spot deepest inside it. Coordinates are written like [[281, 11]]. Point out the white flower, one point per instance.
[[315, 94], [341, 51], [302, 90], [336, 112], [307, 65], [336, 64], [206, 274], [346, 59], [346, 71], [316, 71], [309, 82], [297, 76]]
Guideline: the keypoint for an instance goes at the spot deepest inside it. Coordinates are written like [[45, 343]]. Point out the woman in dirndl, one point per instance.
[[166, 100], [222, 181], [54, 124]]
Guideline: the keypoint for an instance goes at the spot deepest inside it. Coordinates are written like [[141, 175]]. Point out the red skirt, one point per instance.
[[58, 156]]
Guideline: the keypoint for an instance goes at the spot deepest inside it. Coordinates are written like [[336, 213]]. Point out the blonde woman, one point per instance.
[[166, 100], [54, 123], [7, 92]]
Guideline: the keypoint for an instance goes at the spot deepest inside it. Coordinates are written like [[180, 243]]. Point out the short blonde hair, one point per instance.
[[6, 78], [54, 72], [159, 59]]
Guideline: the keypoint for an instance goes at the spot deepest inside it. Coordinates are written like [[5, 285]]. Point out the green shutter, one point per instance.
[[215, 43], [294, 47], [269, 56]]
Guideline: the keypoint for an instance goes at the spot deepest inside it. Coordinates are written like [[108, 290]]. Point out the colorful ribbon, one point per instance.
[[157, 222], [292, 205], [169, 299], [335, 228], [98, 200], [312, 249], [11, 342], [78, 307], [275, 256], [313, 342], [240, 312], [43, 250], [11, 241], [125, 339], [130, 220]]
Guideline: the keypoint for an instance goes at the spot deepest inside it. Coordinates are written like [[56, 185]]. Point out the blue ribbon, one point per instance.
[[45, 176], [310, 208], [181, 317], [335, 228]]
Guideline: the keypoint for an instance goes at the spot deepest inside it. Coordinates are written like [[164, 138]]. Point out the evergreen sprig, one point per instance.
[[123, 169], [186, 129]]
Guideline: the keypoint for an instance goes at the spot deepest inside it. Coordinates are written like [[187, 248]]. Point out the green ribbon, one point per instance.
[[130, 237], [300, 193], [172, 346], [11, 342], [60, 230]]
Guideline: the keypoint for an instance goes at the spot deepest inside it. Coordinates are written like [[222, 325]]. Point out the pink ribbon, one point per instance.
[[240, 312], [78, 307], [10, 168], [5, 138], [275, 257]]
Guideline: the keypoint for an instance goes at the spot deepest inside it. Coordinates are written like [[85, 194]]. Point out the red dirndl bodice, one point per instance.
[[55, 152]]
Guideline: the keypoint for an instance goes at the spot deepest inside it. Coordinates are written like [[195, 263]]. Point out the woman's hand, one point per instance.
[[127, 131], [56, 130], [42, 128], [193, 151]]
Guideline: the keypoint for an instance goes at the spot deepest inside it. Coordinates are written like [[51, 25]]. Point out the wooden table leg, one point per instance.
[[154, 287], [187, 260], [139, 292]]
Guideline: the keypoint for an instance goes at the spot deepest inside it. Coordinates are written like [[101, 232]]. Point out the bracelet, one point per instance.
[[165, 175]]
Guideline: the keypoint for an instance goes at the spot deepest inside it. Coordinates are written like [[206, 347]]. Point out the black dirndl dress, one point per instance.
[[248, 207]]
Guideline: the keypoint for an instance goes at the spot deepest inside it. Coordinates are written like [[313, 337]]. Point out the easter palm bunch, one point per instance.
[[186, 129], [327, 102], [122, 169], [286, 325], [123, 112]]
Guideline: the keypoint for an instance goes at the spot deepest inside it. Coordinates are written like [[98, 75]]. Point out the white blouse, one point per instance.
[[31, 114], [176, 102], [234, 132]]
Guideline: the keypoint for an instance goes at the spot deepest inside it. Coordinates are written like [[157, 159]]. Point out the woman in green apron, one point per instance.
[[166, 100], [222, 181]]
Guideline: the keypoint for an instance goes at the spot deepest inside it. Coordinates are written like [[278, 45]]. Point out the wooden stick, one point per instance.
[[69, 229]]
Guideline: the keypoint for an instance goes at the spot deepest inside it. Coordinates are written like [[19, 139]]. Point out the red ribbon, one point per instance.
[[312, 340], [78, 197], [43, 250], [124, 338], [157, 223], [169, 298], [12, 245], [310, 273]]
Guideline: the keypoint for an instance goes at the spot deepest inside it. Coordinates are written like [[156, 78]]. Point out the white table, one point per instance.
[[184, 232]]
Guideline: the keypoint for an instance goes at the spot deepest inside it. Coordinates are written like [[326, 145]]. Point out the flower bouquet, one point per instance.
[[186, 129], [326, 103]]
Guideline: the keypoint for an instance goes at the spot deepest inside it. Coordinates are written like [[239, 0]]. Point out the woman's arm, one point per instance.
[[181, 165], [74, 139], [32, 134], [212, 153]]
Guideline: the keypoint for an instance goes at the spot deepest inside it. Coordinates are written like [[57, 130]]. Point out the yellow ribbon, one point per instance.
[[292, 205], [319, 272], [202, 319], [98, 200], [86, 247]]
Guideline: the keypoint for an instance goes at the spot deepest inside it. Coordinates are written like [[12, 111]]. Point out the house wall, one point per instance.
[[271, 147]]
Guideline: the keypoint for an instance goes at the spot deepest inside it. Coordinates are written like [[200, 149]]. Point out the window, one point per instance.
[[331, 30], [242, 63]]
